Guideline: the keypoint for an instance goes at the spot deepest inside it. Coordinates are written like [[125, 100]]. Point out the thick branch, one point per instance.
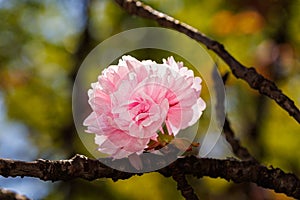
[[182, 184], [83, 167], [254, 79], [10, 195], [243, 171]]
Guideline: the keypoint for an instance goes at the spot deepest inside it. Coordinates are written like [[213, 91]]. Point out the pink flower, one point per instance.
[[133, 100]]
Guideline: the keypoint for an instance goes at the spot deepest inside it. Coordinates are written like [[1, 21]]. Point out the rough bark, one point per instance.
[[82, 167]]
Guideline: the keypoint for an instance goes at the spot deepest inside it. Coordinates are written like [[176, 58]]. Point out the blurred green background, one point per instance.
[[42, 44]]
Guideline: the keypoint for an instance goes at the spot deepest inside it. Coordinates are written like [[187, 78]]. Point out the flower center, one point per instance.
[[139, 110]]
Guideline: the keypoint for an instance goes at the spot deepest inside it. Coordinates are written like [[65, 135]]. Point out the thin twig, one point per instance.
[[237, 148], [82, 167], [250, 75], [240, 151]]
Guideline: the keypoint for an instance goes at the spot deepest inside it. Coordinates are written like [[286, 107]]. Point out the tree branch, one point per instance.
[[242, 172], [240, 151], [253, 78], [237, 148], [182, 184], [10, 195], [82, 167]]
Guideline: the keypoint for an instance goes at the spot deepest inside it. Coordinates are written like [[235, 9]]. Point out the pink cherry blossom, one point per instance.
[[131, 102]]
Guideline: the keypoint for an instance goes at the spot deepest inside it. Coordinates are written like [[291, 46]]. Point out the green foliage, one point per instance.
[[39, 42]]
